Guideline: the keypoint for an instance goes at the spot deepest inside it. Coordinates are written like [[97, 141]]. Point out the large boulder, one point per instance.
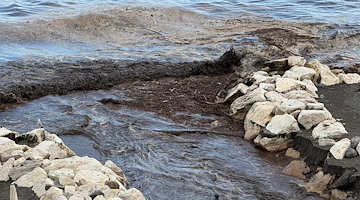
[[29, 180], [260, 113], [329, 129], [282, 124], [252, 130], [131, 194], [291, 105], [319, 182], [90, 176], [296, 61], [300, 73], [241, 105], [239, 90], [273, 144], [351, 78], [26, 167], [287, 84], [310, 118], [5, 169], [339, 149], [326, 76]]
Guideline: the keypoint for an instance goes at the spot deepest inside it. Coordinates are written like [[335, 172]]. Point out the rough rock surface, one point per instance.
[[310, 118], [292, 153], [282, 124], [273, 144], [326, 76], [338, 195], [287, 84], [291, 105], [351, 78], [329, 129], [319, 182], [260, 113], [339, 148], [296, 61], [296, 168], [252, 130], [300, 73]]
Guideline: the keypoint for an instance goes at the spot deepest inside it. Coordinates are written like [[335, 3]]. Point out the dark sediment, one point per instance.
[[343, 102]]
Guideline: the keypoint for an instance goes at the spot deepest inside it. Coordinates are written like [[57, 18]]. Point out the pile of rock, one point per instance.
[[274, 106], [41, 161]]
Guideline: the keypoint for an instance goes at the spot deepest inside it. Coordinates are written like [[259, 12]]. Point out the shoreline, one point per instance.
[[280, 112]]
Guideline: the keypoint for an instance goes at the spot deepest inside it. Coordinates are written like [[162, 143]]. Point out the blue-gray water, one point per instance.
[[338, 11]]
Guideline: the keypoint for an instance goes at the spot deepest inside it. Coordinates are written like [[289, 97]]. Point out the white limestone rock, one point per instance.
[[5, 169], [63, 172], [339, 148], [288, 84], [329, 129], [239, 88], [267, 86], [40, 186], [351, 78], [19, 161], [275, 96], [296, 61], [282, 124], [131, 194], [261, 112], [300, 73], [327, 77], [315, 106], [273, 144], [240, 106], [252, 130], [71, 163], [4, 132], [262, 77], [310, 118], [90, 176], [300, 94], [29, 180], [52, 193], [291, 105]]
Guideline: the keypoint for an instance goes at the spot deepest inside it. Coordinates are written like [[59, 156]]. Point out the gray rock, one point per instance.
[[25, 168], [355, 141], [280, 65], [350, 153]]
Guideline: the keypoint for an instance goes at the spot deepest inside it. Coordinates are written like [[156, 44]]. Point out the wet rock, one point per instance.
[[90, 176], [40, 186], [131, 194], [358, 148], [25, 168], [52, 193], [326, 142], [29, 180], [300, 73], [326, 76], [252, 130], [241, 105], [350, 153], [282, 124], [318, 183], [117, 171], [291, 105], [338, 195], [275, 96], [5, 169], [296, 168], [315, 106], [310, 118], [273, 144], [351, 78], [296, 61], [260, 113], [339, 148], [235, 92], [355, 141], [287, 84], [329, 129], [344, 180], [292, 153]]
